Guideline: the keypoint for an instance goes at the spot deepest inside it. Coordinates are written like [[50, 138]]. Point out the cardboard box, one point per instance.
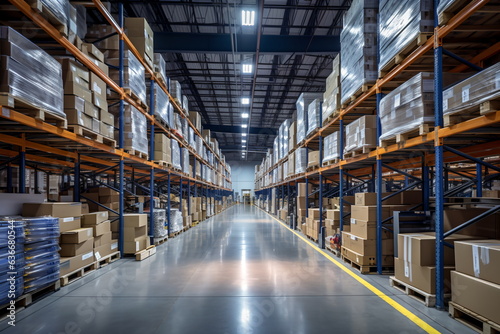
[[134, 233], [313, 159], [477, 295], [314, 213], [103, 239], [420, 248], [366, 260], [92, 50], [364, 229], [135, 219], [371, 199], [420, 277], [94, 218], [301, 190], [366, 246], [132, 247], [491, 193], [479, 258], [70, 250], [70, 264], [69, 223], [76, 236], [105, 250], [102, 228], [367, 213], [59, 210], [333, 214], [301, 203]]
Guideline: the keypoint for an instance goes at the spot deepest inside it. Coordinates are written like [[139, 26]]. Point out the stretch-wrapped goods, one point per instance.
[[185, 160], [331, 144], [313, 114], [162, 107], [300, 160], [362, 133], [302, 120], [175, 221], [160, 225], [482, 87], [175, 90], [134, 76], [331, 97], [176, 155], [135, 131], [400, 23], [358, 45], [29, 73], [58, 8], [11, 258]]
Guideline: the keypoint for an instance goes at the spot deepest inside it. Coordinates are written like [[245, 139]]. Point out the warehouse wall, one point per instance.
[[243, 175]]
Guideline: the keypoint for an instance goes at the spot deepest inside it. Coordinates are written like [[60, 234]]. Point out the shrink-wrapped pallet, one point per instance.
[[162, 107], [159, 223], [331, 97], [176, 154], [135, 131], [331, 147], [300, 160], [313, 115], [361, 134], [302, 120], [358, 45], [176, 222], [133, 74]]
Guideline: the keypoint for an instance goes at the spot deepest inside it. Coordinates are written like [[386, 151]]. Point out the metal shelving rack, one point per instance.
[[47, 147], [423, 161]]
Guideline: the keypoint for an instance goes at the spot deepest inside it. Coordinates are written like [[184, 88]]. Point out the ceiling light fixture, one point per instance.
[[244, 126], [247, 68], [243, 141], [245, 100], [244, 115], [248, 17]]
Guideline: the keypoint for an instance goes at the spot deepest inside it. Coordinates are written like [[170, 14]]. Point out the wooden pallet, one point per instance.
[[195, 223], [312, 168], [312, 238], [108, 259], [8, 100], [449, 12], [163, 163], [29, 298], [334, 251], [77, 274], [144, 254], [41, 9], [401, 138], [471, 112], [159, 241], [359, 151], [419, 40], [136, 153], [331, 162], [136, 98], [364, 88], [427, 299], [331, 117], [365, 269], [174, 234], [312, 133], [85, 132], [473, 320]]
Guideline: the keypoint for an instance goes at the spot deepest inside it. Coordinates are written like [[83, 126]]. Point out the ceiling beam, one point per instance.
[[238, 129], [166, 42]]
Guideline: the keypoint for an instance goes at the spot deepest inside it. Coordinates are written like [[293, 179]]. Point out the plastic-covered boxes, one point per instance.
[[11, 258], [41, 252], [29, 73], [468, 94], [313, 114], [358, 44], [162, 107], [176, 91], [160, 66], [133, 74], [302, 104], [300, 160], [159, 222], [59, 10], [446, 8], [283, 135], [331, 97], [176, 154], [361, 134], [331, 150], [141, 35], [400, 24], [135, 131], [185, 160]]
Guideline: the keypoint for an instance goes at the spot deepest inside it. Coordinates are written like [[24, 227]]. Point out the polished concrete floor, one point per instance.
[[239, 272]]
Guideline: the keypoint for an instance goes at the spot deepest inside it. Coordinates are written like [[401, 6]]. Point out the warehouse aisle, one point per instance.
[[239, 272]]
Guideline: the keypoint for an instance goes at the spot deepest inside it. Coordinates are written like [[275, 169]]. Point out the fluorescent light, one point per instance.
[[247, 68], [248, 17], [244, 115], [244, 126], [245, 100], [243, 141], [243, 146], [244, 134]]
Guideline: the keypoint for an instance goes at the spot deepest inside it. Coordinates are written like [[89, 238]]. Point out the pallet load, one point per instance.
[[300, 160], [475, 284], [403, 26], [358, 45], [185, 161], [141, 35], [477, 95], [176, 222], [284, 138], [175, 91], [31, 79], [313, 160], [163, 149], [133, 76], [312, 225], [415, 265], [331, 150], [162, 107], [447, 9], [160, 224], [195, 118], [77, 252], [160, 67], [313, 117], [302, 104], [361, 135], [302, 193], [292, 136], [9, 284], [331, 97], [105, 244], [135, 233], [103, 195], [135, 131]]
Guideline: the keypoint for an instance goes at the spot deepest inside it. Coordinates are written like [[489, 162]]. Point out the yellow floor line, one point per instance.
[[400, 308]]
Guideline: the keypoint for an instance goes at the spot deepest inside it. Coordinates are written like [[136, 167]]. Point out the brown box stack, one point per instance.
[[105, 196], [141, 35], [163, 149], [135, 232], [69, 213]]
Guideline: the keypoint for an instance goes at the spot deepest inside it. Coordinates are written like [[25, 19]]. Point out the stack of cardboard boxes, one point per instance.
[[196, 211], [104, 243], [360, 244], [186, 217], [475, 283], [331, 97], [163, 149], [135, 232], [105, 196], [302, 193], [141, 35]]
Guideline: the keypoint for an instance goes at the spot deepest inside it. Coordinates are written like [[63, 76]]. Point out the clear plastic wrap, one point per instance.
[[175, 90], [160, 65], [29, 73], [361, 133], [162, 106], [302, 120], [135, 76], [284, 132], [446, 6], [358, 45], [482, 87], [331, 147], [300, 160], [159, 222], [135, 131], [12, 225], [176, 154], [400, 23], [185, 104], [185, 160], [313, 112], [58, 8], [81, 21], [276, 150], [191, 140], [41, 229], [178, 123]]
